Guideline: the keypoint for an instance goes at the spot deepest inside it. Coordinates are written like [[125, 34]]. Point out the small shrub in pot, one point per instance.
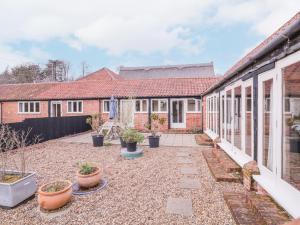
[[15, 185], [88, 175], [132, 137], [96, 122], [55, 195], [153, 127]]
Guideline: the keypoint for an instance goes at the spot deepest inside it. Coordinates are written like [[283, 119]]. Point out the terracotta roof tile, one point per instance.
[[107, 88], [102, 74]]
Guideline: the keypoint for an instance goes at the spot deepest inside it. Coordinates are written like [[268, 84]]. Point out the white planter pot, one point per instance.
[[15, 193]]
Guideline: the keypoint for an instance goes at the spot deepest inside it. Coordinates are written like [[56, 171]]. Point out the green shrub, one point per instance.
[[131, 136]]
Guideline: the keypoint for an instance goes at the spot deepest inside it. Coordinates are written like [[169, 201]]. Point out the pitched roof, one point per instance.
[[106, 88], [102, 74], [168, 71], [279, 36]]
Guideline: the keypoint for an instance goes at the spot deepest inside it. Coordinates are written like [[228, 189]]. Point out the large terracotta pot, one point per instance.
[[89, 180], [55, 200]]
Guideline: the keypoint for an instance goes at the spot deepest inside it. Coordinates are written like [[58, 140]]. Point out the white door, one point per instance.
[[56, 109], [177, 113], [127, 112]]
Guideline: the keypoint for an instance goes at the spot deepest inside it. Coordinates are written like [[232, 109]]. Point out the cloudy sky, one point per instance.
[[136, 32]]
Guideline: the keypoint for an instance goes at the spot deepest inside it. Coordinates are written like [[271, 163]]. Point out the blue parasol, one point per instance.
[[112, 108]]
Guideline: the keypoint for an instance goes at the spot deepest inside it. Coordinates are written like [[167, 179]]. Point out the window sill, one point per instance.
[[283, 193]]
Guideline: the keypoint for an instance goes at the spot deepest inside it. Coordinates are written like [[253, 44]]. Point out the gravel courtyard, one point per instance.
[[137, 190]]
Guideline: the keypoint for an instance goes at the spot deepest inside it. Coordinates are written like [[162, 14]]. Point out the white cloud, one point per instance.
[[119, 26]]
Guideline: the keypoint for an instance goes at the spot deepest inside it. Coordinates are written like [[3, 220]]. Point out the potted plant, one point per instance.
[[123, 143], [132, 137], [95, 121], [88, 176], [15, 185], [153, 127], [55, 195]]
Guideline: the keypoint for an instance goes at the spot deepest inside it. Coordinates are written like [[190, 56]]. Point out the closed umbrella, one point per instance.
[[112, 108]]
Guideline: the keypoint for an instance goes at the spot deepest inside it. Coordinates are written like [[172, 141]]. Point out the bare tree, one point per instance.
[[84, 68], [57, 70]]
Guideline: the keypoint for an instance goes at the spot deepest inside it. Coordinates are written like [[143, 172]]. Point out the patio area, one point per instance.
[[168, 185], [179, 140]]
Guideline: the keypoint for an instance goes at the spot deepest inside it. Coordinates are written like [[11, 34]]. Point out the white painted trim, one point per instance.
[[72, 102], [283, 193], [141, 105], [103, 106], [29, 113], [178, 125], [56, 102], [160, 99]]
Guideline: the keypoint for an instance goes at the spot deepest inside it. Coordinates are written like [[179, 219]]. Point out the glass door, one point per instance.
[[266, 123], [177, 114], [56, 109], [247, 118]]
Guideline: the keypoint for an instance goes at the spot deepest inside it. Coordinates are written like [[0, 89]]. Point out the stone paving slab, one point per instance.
[[181, 206], [183, 160], [188, 183], [189, 171], [183, 154]]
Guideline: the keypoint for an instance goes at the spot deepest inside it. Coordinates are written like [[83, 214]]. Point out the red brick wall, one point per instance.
[[89, 107], [193, 121], [140, 119], [10, 112]]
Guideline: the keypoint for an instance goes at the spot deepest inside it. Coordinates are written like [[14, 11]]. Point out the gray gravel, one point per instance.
[[137, 191]]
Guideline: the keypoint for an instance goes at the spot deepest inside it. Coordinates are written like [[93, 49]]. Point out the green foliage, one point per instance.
[[86, 168], [156, 122], [95, 121], [131, 136]]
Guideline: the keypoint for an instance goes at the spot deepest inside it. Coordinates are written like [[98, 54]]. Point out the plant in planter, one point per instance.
[[15, 185], [95, 121], [132, 137], [55, 195], [88, 176], [153, 127]]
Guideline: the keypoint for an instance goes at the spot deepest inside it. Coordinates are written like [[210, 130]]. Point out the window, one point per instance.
[[29, 107], [75, 107], [159, 105], [141, 105], [194, 105], [106, 106], [191, 104]]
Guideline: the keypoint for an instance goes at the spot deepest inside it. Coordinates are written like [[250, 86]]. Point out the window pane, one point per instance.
[[106, 106], [248, 120], [163, 105], [191, 105], [21, 107], [155, 105], [223, 116], [267, 124], [291, 125], [199, 106], [137, 105], [144, 105], [74, 106], [228, 116], [37, 107], [26, 108], [237, 118], [69, 106], [31, 106], [79, 106]]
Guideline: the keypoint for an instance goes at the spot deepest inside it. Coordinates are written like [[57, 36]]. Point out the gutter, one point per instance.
[[281, 37]]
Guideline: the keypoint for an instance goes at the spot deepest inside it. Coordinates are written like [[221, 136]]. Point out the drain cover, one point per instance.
[[131, 155], [77, 190]]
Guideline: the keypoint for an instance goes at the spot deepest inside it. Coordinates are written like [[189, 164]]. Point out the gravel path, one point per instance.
[[137, 191]]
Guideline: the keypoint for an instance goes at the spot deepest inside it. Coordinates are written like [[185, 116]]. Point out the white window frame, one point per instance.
[[72, 102], [141, 105], [28, 102], [159, 109], [103, 104], [197, 110]]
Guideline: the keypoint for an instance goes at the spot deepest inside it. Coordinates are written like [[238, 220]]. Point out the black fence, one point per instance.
[[53, 127]]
